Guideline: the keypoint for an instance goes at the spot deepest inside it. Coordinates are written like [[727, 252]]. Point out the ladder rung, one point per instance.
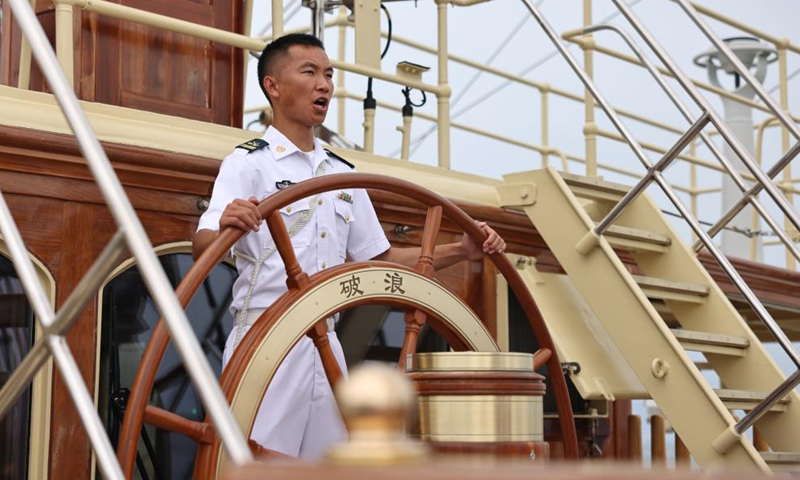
[[657, 288], [711, 342], [782, 461], [747, 399], [594, 188], [637, 240]]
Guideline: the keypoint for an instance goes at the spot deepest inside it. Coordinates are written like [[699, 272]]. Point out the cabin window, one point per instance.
[[16, 338], [129, 316]]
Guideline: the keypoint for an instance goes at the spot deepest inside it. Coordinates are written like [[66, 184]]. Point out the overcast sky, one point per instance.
[[477, 32]]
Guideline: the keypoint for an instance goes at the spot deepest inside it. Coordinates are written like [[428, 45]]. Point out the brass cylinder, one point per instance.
[[477, 397]]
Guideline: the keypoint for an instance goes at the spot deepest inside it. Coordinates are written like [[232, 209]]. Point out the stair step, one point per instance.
[[594, 188], [660, 289], [782, 461], [633, 239], [711, 342], [746, 400]]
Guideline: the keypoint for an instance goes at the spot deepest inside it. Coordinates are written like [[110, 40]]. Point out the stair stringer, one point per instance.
[[688, 402]]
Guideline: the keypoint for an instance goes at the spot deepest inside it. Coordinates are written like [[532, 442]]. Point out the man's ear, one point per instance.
[[271, 86]]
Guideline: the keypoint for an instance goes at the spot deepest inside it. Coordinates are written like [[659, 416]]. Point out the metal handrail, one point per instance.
[[139, 245], [766, 183], [653, 174], [738, 180]]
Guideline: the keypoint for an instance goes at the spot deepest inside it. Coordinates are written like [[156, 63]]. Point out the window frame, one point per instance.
[[42, 385], [182, 247]]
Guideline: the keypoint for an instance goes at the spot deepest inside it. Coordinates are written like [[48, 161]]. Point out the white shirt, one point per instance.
[[343, 224]]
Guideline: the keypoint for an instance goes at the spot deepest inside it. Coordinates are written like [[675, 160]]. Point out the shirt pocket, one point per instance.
[[299, 223], [343, 206]]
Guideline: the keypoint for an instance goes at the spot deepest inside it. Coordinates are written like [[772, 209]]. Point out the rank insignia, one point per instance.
[[283, 184], [345, 196], [253, 145], [280, 149]]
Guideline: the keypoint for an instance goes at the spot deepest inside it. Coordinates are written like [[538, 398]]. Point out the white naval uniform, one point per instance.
[[298, 415]]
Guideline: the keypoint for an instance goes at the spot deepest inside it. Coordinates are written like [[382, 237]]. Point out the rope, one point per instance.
[[303, 218]]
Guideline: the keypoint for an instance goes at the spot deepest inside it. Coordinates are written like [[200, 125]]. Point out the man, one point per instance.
[[299, 416]]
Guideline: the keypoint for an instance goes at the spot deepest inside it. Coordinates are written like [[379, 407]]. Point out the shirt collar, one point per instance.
[[281, 147]]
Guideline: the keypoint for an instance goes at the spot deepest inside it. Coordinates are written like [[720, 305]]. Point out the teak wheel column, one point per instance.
[[299, 282]]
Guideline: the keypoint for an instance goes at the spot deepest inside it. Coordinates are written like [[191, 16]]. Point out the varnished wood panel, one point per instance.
[[538, 452], [159, 71], [70, 450], [12, 42], [132, 65], [67, 236]]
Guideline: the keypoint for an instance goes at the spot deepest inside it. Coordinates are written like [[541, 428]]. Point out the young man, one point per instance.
[[299, 416]]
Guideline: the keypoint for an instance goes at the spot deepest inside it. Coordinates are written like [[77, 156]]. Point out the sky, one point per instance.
[[479, 33]]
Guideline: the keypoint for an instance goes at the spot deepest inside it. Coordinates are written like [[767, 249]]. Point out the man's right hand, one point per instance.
[[240, 213]]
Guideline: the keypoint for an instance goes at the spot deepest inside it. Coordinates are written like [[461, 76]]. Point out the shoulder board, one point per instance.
[[337, 157], [253, 145]]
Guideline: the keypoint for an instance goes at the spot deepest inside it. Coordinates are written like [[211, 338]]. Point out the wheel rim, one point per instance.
[[141, 388]]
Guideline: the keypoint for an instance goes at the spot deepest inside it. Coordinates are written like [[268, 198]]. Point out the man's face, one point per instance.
[[302, 86]]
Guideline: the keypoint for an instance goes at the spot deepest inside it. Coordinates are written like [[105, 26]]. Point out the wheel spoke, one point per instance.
[[433, 223], [414, 321], [319, 335], [296, 278]]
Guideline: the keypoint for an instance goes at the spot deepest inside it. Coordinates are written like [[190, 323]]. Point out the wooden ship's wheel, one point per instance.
[[310, 300]]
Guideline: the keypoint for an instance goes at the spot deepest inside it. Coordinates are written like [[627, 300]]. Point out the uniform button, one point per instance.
[[319, 202], [288, 209], [323, 264], [322, 234]]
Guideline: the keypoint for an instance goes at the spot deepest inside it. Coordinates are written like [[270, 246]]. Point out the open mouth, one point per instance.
[[321, 102]]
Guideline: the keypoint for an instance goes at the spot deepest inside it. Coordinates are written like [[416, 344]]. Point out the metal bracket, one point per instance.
[[571, 368], [517, 194]]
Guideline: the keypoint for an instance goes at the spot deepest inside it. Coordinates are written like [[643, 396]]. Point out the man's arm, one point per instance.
[[448, 254], [241, 214]]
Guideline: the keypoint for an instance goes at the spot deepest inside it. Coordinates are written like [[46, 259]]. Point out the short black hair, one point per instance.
[[277, 49]]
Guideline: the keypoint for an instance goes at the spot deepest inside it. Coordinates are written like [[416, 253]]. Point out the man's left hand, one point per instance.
[[493, 243]]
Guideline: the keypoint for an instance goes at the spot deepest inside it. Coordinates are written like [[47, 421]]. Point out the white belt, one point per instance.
[[254, 313]]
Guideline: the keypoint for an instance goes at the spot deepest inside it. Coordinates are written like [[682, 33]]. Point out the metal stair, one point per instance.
[[564, 209]]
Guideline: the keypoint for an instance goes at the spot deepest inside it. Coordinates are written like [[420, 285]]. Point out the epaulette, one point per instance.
[[254, 144], [337, 157]]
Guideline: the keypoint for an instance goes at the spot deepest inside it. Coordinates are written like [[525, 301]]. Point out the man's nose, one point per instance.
[[324, 84]]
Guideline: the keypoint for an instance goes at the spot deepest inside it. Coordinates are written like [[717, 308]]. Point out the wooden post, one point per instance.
[[634, 438], [683, 459], [658, 442]]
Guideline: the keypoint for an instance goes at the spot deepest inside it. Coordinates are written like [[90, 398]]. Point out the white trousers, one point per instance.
[[298, 415]]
